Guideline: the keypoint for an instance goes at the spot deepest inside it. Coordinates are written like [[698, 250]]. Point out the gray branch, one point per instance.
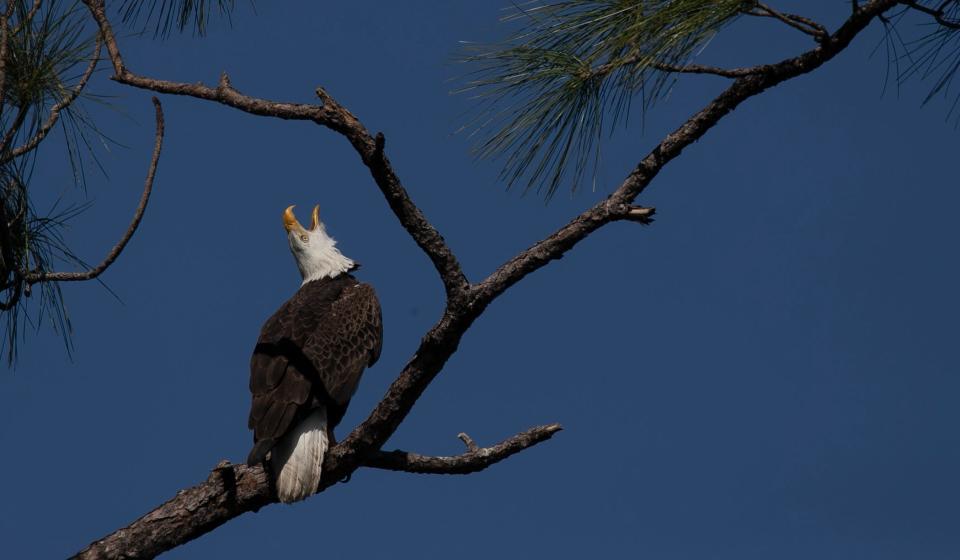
[[43, 276]]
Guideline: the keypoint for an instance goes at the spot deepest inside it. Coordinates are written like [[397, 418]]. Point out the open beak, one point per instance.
[[290, 222]]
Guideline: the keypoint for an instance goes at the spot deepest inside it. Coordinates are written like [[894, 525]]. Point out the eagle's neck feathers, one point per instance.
[[320, 258]]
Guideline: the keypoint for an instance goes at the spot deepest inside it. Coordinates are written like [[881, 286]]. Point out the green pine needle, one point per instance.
[[166, 15], [544, 93], [45, 59]]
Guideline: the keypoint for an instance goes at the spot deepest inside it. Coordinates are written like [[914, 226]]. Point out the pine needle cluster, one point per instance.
[[166, 15], [934, 54], [547, 91], [46, 53], [50, 51]]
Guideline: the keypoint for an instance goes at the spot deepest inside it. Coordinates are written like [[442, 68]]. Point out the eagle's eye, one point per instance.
[[304, 238]]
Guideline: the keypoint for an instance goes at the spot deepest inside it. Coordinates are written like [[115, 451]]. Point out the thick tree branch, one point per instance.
[[474, 460], [231, 490], [215, 502], [43, 276], [331, 115]]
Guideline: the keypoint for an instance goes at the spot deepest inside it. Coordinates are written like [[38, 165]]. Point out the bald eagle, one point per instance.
[[308, 360]]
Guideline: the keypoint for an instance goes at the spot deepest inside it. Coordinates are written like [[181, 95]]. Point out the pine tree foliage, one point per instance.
[[547, 96], [49, 55], [546, 92], [166, 15], [50, 51], [933, 54]]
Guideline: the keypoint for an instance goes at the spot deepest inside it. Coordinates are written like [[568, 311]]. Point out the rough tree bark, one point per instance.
[[232, 489]]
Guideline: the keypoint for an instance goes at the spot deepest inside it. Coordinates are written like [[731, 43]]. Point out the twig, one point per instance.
[[468, 441], [640, 214], [607, 68], [43, 276], [801, 23], [474, 460], [701, 69]]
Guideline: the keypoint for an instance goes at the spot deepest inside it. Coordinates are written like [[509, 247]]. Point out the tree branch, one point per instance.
[[474, 460], [607, 68], [331, 115], [801, 23], [617, 205], [231, 490], [701, 69], [43, 276], [215, 502]]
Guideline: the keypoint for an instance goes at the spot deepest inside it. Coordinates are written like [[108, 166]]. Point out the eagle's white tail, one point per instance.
[[298, 458]]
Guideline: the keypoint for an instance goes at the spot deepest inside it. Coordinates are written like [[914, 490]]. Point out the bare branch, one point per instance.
[[229, 491], [701, 69], [55, 111], [468, 441], [606, 68], [42, 276], [331, 115], [801, 23], [474, 460], [234, 489]]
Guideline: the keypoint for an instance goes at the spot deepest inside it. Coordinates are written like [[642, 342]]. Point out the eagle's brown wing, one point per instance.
[[311, 353], [345, 343]]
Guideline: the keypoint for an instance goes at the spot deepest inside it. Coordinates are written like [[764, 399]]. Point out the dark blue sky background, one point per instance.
[[769, 371]]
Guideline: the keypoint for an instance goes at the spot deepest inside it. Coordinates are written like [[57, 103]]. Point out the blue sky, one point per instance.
[[770, 370]]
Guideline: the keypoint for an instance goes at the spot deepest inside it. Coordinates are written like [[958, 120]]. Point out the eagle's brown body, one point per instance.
[[310, 355]]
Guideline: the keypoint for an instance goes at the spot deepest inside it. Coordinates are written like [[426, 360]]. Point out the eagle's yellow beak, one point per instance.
[[290, 222], [316, 217]]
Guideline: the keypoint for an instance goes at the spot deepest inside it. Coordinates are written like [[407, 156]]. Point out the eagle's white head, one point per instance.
[[316, 252]]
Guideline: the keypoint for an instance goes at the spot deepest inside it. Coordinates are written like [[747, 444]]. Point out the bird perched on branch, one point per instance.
[[308, 360]]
